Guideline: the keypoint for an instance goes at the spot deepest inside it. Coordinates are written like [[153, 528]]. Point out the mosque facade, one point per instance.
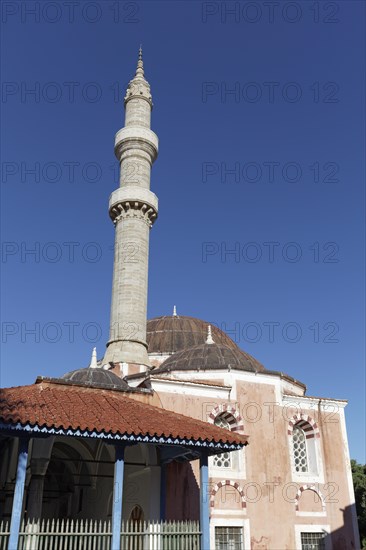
[[206, 433]]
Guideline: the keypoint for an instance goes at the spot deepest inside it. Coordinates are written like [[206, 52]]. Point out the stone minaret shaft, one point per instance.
[[133, 209]]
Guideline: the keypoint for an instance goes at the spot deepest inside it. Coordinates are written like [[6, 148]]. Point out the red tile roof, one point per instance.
[[51, 405]]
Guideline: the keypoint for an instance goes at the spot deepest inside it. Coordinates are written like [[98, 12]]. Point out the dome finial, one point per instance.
[[209, 339], [174, 311], [140, 64], [93, 362]]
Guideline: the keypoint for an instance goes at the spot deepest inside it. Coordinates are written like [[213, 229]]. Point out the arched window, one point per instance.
[[299, 450], [137, 514], [305, 453], [304, 435], [222, 460], [221, 422]]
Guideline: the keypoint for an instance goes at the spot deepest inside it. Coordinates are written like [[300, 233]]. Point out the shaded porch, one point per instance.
[[117, 436], [127, 511]]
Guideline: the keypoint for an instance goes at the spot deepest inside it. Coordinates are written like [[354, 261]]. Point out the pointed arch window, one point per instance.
[[304, 449], [222, 460], [300, 453], [137, 514]]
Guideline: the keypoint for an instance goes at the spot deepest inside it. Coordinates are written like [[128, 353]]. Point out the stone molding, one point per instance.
[[309, 488], [135, 137], [230, 414], [127, 339], [306, 423], [136, 209], [133, 202], [227, 483]]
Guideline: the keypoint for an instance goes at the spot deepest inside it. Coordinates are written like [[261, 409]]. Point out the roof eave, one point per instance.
[[211, 447]]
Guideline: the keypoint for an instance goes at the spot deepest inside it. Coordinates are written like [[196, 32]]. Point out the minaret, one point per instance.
[[133, 209]]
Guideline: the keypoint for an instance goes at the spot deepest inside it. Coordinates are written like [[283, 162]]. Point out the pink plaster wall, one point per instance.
[[269, 487]]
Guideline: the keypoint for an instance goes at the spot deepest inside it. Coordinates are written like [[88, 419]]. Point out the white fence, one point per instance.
[[97, 535]]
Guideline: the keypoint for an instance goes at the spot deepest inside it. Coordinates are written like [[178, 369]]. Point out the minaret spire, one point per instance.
[[133, 209], [140, 64]]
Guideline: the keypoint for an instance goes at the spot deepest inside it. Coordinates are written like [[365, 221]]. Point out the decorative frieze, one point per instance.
[[136, 209], [138, 88]]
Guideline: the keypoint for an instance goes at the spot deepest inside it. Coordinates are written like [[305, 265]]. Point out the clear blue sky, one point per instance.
[[292, 129]]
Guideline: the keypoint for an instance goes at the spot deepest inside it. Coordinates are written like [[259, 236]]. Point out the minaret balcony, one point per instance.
[[134, 198], [136, 138]]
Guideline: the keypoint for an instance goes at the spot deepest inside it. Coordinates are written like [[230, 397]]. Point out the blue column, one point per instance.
[[117, 497], [204, 503], [163, 492], [16, 513]]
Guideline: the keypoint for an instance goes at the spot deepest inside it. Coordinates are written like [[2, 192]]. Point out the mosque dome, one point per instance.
[[170, 334], [95, 377], [210, 357]]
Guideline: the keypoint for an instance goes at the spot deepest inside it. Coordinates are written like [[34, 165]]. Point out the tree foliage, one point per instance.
[[359, 483]]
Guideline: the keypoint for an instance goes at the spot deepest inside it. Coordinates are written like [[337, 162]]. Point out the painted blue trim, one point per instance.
[[117, 497], [204, 504], [16, 513], [31, 429], [162, 492]]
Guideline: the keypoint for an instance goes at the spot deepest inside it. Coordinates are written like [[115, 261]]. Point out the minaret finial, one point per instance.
[[209, 339], [174, 311], [138, 87], [140, 64], [93, 362]]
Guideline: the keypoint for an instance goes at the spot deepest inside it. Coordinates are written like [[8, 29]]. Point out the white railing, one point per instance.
[[97, 534]]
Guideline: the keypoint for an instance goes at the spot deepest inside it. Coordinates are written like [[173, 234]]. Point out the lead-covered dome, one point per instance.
[[210, 357], [95, 377], [169, 334]]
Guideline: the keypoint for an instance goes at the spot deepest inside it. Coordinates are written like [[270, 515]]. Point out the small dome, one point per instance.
[[95, 377], [210, 357], [170, 334]]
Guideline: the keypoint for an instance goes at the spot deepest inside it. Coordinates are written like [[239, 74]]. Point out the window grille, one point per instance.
[[299, 449], [229, 538], [312, 541], [222, 460]]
